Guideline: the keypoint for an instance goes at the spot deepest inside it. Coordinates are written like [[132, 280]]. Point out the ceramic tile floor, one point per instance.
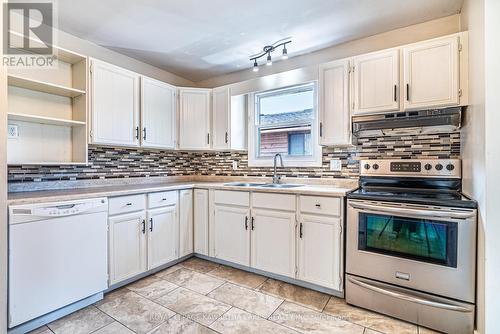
[[198, 297]]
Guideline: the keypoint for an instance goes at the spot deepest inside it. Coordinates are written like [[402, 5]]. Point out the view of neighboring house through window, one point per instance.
[[284, 122]]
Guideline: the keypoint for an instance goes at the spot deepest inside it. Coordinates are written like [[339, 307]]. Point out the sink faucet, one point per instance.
[[276, 177]]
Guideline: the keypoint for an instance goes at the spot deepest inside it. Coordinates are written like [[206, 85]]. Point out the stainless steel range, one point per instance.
[[411, 243]]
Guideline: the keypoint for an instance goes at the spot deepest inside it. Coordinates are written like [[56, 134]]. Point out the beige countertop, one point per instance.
[[27, 197]]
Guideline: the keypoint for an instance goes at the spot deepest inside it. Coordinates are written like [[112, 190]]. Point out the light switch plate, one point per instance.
[[12, 131], [235, 165], [336, 165]]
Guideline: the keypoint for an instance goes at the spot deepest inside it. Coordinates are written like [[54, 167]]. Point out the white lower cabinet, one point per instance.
[[162, 236], [127, 246], [185, 222], [320, 251], [142, 239], [232, 234], [200, 213], [273, 241]]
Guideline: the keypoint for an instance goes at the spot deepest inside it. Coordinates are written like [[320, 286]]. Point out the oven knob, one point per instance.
[[428, 166], [439, 166], [375, 166], [450, 167], [367, 166]]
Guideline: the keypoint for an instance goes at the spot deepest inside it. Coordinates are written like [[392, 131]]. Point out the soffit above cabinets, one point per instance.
[[202, 39]]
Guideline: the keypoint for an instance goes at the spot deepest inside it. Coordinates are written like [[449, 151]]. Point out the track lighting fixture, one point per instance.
[[267, 50]]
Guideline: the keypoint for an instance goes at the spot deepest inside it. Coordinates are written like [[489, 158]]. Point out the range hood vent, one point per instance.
[[407, 123]]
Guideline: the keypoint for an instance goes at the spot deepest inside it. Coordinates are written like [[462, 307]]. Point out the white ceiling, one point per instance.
[[199, 39]]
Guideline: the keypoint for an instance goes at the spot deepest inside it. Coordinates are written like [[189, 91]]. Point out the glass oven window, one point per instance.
[[424, 240]]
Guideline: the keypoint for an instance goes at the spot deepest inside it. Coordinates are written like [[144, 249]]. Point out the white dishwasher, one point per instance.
[[57, 256]]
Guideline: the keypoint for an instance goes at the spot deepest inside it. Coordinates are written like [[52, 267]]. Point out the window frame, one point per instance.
[[313, 160]]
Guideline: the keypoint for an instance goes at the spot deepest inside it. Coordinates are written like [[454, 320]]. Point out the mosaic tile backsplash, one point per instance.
[[106, 162]]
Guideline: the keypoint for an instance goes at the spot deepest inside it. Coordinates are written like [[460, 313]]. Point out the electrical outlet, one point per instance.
[[336, 165], [235, 165], [12, 131]]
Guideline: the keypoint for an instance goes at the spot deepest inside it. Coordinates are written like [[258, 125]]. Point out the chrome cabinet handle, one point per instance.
[[144, 134], [413, 299], [300, 231], [136, 132], [253, 225], [227, 137], [144, 226], [401, 210], [318, 205], [407, 92], [395, 93], [246, 222], [151, 224], [128, 204]]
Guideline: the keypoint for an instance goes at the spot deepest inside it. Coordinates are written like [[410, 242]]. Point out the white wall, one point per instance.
[[3, 190], [492, 150], [418, 32], [473, 139]]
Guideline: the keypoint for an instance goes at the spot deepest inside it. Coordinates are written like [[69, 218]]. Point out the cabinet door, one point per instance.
[[163, 234], [335, 117], [158, 114], [376, 82], [273, 241], [127, 246], [232, 234], [221, 108], [194, 118], [431, 73], [115, 105], [320, 251], [201, 221], [185, 222]]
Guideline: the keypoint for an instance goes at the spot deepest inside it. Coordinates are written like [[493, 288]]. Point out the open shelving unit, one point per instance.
[[48, 108]]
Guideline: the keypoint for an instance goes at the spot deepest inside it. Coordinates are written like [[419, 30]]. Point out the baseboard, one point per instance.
[[286, 279]]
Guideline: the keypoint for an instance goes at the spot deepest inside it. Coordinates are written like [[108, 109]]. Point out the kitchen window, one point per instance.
[[285, 121]]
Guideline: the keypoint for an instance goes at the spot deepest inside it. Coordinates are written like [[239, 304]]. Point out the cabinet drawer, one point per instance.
[[124, 204], [164, 198], [321, 205], [241, 198], [273, 201]]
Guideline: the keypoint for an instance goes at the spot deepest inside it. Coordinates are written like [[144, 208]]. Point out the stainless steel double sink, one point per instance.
[[263, 185]]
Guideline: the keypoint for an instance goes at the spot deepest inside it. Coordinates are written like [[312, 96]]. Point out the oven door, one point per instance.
[[431, 249]]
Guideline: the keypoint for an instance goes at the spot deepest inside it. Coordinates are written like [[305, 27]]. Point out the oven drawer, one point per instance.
[[416, 307]]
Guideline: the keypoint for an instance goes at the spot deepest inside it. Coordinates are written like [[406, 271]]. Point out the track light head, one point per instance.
[[285, 53], [255, 66], [269, 61]]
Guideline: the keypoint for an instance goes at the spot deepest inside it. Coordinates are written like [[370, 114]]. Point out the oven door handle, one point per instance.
[[409, 298], [421, 213]]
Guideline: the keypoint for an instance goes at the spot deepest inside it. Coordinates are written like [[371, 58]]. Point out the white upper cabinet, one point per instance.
[[221, 117], [431, 73], [334, 112], [114, 105], [229, 114], [376, 82], [194, 118], [158, 104]]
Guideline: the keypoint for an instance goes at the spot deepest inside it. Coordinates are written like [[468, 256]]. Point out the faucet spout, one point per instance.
[[276, 177]]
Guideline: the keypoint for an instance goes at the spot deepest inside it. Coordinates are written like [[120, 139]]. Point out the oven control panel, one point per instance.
[[448, 168]]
